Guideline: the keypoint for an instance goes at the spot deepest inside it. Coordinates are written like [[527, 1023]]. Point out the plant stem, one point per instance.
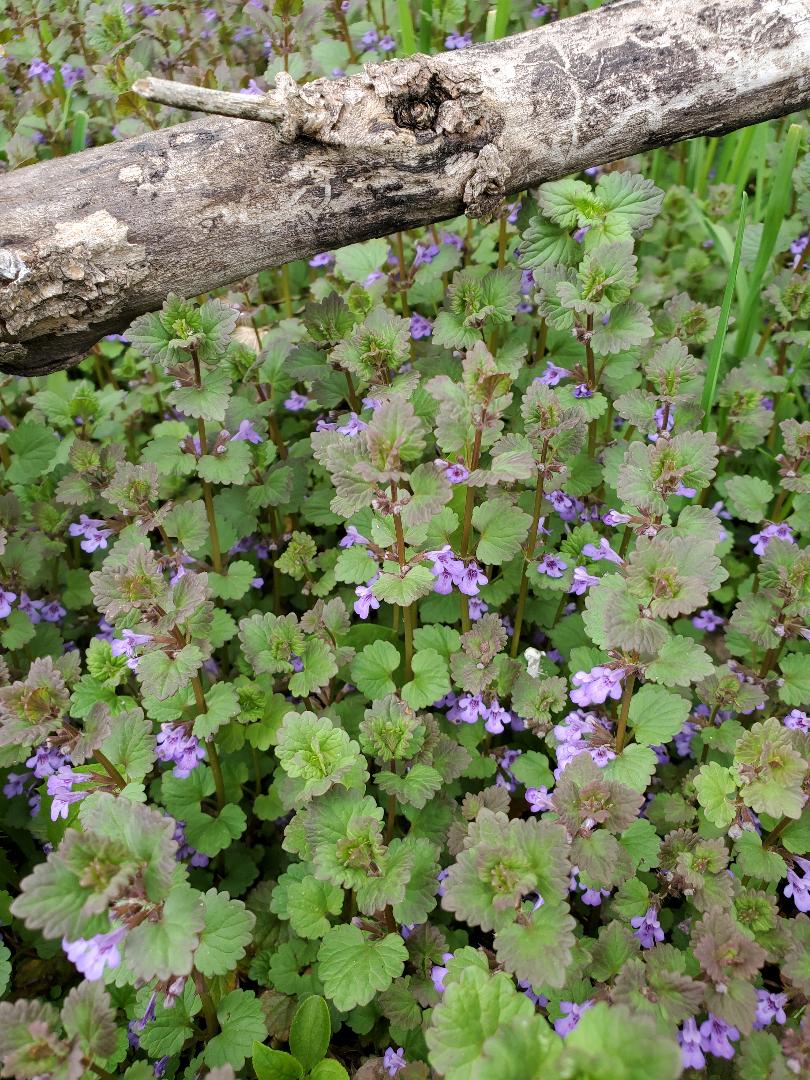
[[769, 659], [209, 1012], [352, 393], [621, 729], [776, 832], [109, 768], [407, 612], [210, 745], [467, 526], [216, 557], [531, 544], [403, 277], [589, 360]]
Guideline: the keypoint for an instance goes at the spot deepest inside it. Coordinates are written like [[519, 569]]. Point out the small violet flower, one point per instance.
[[394, 1060], [573, 1014], [60, 789], [353, 426], [352, 537], [594, 687], [366, 601], [6, 600], [552, 566], [691, 1047], [93, 531], [538, 799], [761, 539], [246, 432], [770, 1009], [707, 620], [93, 955], [295, 402], [716, 1037], [647, 928], [176, 745]]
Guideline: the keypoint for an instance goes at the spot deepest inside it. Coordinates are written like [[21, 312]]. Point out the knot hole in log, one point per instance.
[[419, 110]]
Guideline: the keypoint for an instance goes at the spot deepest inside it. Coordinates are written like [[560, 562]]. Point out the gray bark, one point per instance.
[[89, 241]]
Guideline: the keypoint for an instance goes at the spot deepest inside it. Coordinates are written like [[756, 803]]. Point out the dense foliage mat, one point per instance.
[[406, 654]]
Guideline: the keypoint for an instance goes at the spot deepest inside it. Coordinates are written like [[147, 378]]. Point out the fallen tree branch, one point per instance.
[[89, 241]]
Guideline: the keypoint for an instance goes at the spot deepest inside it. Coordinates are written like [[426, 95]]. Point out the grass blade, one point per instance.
[[426, 26], [716, 350], [503, 10], [775, 213], [408, 47]]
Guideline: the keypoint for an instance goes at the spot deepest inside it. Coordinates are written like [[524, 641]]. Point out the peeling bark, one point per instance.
[[89, 241]]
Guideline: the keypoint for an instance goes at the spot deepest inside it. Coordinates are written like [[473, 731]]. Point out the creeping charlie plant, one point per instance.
[[406, 655]]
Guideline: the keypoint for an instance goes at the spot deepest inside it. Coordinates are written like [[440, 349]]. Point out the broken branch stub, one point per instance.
[[90, 241]]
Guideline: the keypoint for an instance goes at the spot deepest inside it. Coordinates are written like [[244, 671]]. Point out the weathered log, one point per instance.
[[89, 241]]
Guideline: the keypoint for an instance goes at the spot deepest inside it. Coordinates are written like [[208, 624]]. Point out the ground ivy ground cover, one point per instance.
[[406, 657]]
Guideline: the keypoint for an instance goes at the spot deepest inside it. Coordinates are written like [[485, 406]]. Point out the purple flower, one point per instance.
[[186, 853], [45, 762], [770, 1008], [707, 620], [469, 578], [246, 432], [573, 1014], [59, 787], [477, 608], [647, 928], [593, 897], [541, 11], [375, 275], [614, 517], [40, 69], [453, 239], [470, 707], [454, 472], [552, 375], [323, 258], [94, 533], [799, 887], [6, 600], [683, 739], [176, 745], [370, 39], [579, 236], [53, 611], [93, 955], [458, 41], [15, 784], [691, 1052], [594, 687], [761, 539], [420, 326], [716, 1036], [797, 721], [425, 253], [394, 1060], [582, 581], [797, 248], [538, 799], [71, 75], [352, 537], [438, 973], [561, 502], [243, 32], [159, 1068], [353, 426], [603, 551], [295, 402], [582, 390], [126, 645], [210, 14], [498, 717], [366, 600], [552, 566]]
